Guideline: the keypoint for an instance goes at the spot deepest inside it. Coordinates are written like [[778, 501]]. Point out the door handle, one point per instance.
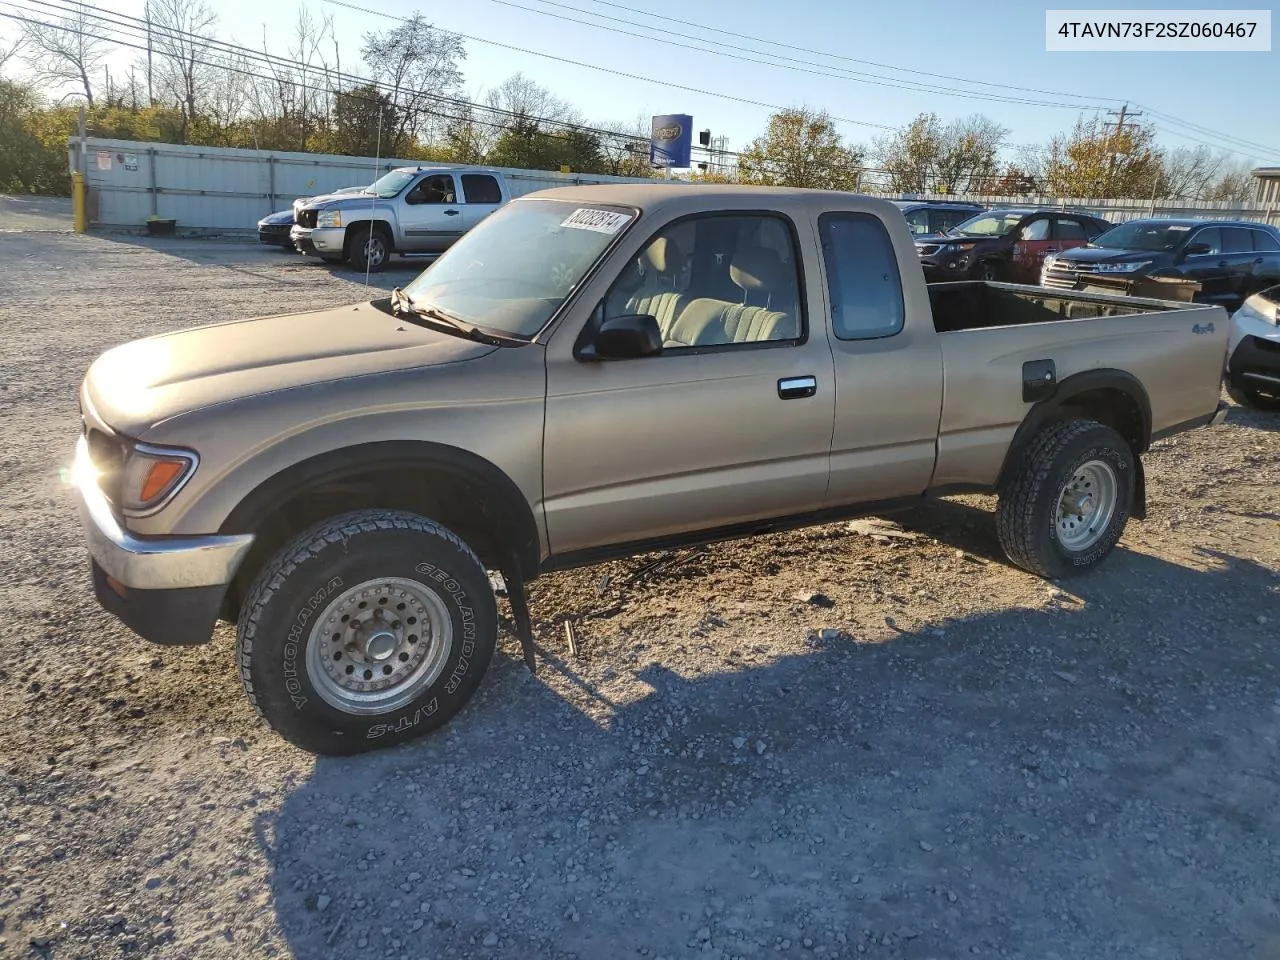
[[795, 388], [1222, 263], [1258, 259], [452, 213]]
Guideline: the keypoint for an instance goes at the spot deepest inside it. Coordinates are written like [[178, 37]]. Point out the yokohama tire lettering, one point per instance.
[[294, 641]]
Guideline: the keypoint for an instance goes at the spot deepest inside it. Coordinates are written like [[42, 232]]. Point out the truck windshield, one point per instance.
[[388, 186], [1137, 235], [511, 272], [987, 225]]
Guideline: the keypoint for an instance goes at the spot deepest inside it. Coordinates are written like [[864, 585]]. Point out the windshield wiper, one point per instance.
[[401, 302]]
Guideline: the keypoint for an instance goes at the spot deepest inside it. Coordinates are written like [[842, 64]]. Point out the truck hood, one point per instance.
[[1111, 255], [343, 200], [133, 387]]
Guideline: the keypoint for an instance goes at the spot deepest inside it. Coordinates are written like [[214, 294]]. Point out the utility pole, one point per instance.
[[1120, 125], [151, 100]]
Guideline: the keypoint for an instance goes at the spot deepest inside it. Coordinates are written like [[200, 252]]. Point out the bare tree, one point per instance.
[[66, 51], [181, 31], [1190, 173], [10, 49], [628, 155], [418, 65]]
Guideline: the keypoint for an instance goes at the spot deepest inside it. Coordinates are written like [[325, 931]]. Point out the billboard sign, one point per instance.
[[672, 140]]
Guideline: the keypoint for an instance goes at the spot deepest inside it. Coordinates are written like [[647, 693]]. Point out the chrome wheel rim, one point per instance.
[[374, 251], [377, 646], [1086, 505]]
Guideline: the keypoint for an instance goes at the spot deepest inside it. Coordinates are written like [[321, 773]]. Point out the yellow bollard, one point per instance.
[[77, 200]]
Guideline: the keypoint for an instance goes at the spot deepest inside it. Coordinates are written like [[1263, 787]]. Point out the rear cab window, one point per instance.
[[481, 188], [863, 280]]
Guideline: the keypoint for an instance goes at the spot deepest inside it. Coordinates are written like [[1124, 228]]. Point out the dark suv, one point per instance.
[[1004, 244], [926, 217], [1230, 259]]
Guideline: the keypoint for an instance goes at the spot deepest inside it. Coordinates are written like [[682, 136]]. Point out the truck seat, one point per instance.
[[658, 267], [761, 275]]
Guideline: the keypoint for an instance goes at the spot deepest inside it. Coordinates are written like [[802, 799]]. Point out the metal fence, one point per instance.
[[229, 190], [222, 189]]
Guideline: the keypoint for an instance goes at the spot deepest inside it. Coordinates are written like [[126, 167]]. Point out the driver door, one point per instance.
[[1029, 250], [731, 423], [431, 216]]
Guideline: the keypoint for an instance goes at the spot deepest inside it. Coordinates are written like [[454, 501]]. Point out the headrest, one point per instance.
[[756, 268], [661, 256]]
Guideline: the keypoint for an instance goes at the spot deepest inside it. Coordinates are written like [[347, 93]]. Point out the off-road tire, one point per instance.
[[987, 270], [357, 239], [1252, 399], [322, 562], [1026, 517]]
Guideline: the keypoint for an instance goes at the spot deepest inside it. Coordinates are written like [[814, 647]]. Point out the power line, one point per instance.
[[617, 73], [833, 56], [1218, 135], [853, 76]]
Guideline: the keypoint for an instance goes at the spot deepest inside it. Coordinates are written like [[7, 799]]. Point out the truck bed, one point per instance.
[[988, 331], [976, 304]]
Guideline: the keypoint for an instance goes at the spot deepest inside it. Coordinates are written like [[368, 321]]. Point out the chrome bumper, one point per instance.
[[150, 563]]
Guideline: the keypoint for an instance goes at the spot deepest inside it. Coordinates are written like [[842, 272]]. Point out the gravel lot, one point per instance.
[[967, 762]]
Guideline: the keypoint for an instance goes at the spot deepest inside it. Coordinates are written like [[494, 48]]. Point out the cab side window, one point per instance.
[[1035, 230], [862, 276], [1211, 237], [716, 281], [437, 188]]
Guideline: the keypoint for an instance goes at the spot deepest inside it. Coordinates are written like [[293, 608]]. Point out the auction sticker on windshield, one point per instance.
[[601, 221]]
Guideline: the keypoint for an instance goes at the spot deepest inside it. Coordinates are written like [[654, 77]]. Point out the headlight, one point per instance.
[[1265, 311], [152, 475], [1122, 267], [329, 218], [1049, 259]]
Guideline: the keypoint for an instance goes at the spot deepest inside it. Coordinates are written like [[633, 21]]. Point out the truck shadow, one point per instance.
[[1007, 784]]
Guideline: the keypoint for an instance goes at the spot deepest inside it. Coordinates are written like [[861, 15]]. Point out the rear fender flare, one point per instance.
[[1072, 387]]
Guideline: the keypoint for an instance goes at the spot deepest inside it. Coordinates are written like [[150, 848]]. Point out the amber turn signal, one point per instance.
[[161, 475]]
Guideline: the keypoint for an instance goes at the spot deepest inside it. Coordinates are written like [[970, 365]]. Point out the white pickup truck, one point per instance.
[[411, 210]]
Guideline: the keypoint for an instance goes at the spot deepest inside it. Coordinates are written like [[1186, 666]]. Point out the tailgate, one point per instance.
[[1177, 352]]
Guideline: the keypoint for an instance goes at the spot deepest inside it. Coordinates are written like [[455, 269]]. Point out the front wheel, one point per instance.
[[367, 630], [1252, 399], [986, 270], [1067, 504], [369, 250]]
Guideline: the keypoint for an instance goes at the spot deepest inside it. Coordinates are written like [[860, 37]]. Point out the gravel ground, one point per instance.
[[825, 743]]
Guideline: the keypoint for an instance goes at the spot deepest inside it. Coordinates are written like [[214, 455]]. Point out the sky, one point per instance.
[[996, 52]]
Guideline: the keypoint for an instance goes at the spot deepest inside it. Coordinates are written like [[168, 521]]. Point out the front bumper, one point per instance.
[[1253, 357], [943, 269], [276, 234], [319, 241], [167, 589]]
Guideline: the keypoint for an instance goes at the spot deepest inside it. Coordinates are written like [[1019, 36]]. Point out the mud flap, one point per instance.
[[520, 611], [1138, 509]]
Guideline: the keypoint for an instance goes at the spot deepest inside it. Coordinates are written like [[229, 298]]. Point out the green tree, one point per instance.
[[364, 122], [526, 145], [801, 148], [928, 156], [1100, 160]]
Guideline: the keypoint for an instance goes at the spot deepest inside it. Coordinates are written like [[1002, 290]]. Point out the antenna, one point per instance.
[[373, 200]]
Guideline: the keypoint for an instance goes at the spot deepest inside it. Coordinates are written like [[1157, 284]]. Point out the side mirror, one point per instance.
[[1196, 249], [626, 337]]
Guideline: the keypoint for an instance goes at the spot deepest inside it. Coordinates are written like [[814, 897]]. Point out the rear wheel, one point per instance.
[[367, 630], [1065, 508], [1253, 399]]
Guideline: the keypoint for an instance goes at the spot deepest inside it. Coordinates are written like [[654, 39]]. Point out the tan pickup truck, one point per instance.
[[592, 373]]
